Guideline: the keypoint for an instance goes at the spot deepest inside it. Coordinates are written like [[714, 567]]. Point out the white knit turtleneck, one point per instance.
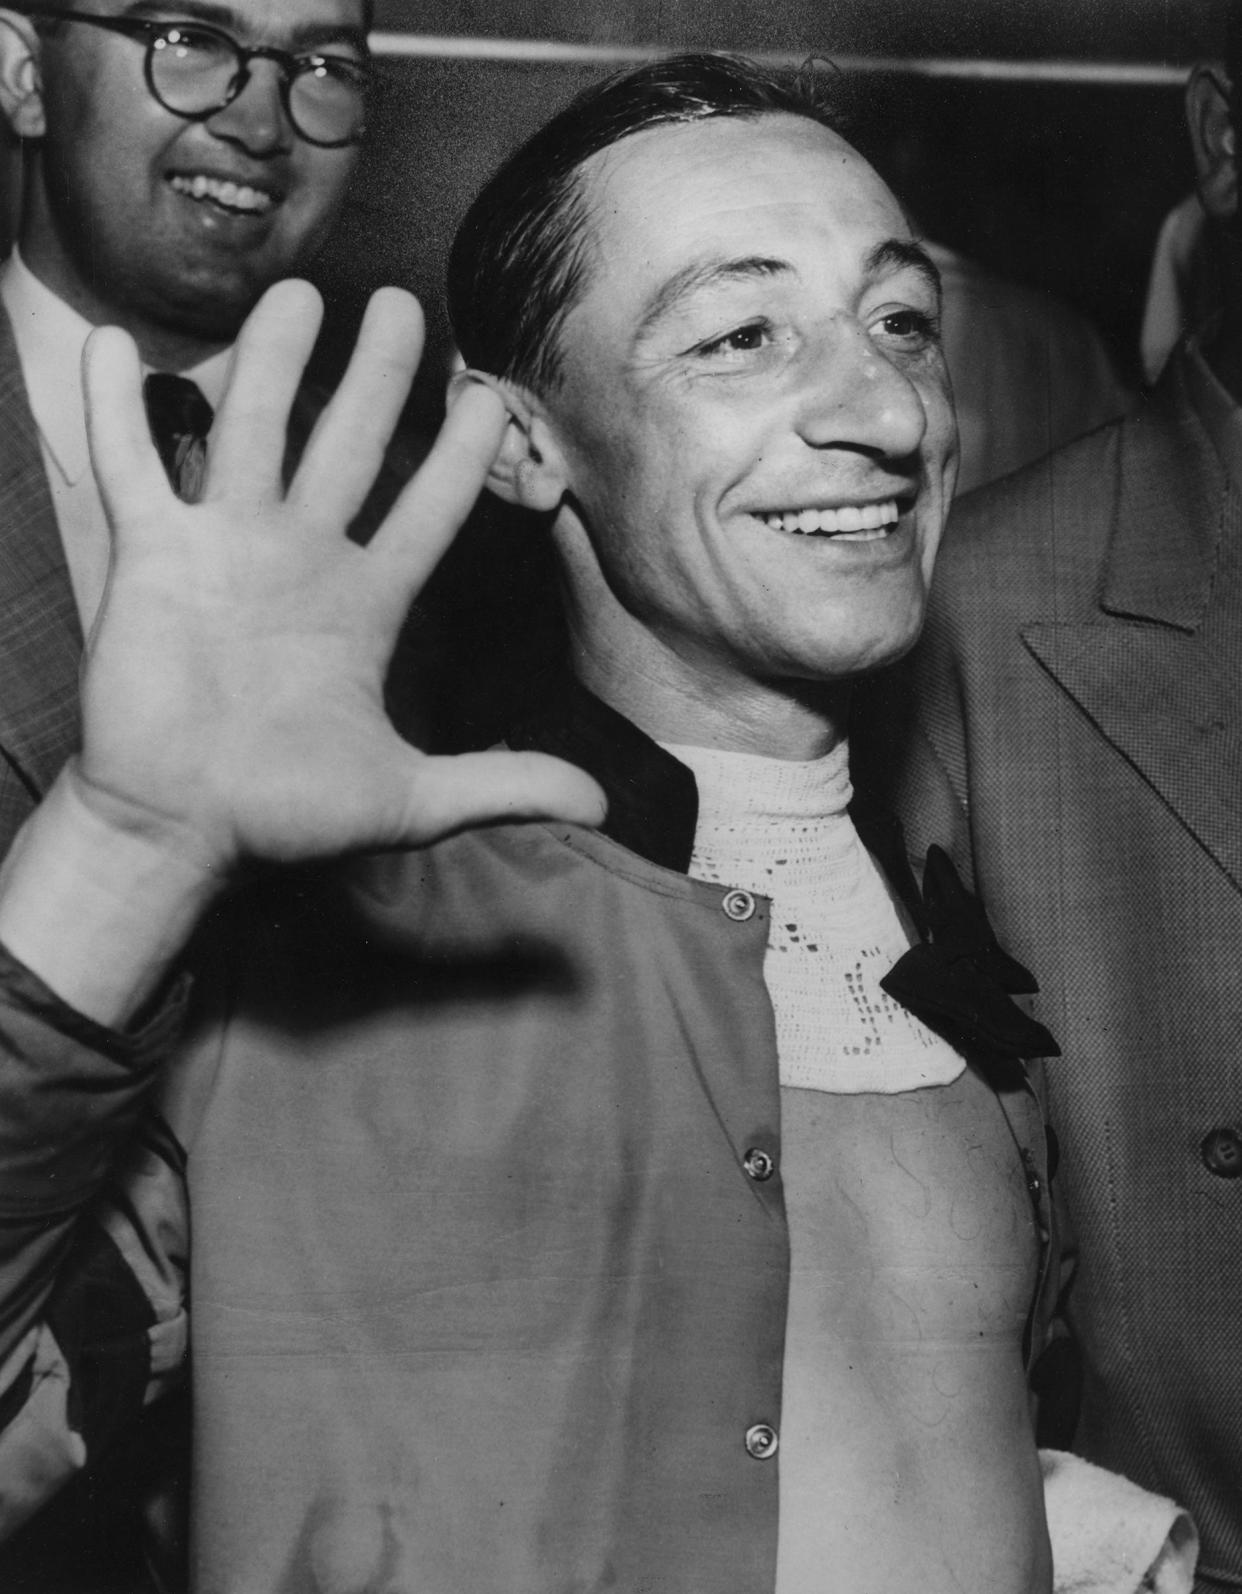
[[780, 828]]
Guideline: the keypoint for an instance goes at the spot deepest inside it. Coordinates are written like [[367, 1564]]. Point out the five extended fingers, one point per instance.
[[246, 454]]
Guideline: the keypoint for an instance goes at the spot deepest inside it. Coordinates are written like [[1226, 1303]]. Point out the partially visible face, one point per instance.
[[147, 219], [755, 413]]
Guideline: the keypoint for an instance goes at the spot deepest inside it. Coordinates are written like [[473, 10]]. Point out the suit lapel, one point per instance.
[[40, 637], [1153, 672], [1158, 698]]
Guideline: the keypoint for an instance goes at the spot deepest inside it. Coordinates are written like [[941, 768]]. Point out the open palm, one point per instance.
[[233, 691]]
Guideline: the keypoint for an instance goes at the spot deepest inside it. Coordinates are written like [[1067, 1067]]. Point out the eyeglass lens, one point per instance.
[[194, 71]]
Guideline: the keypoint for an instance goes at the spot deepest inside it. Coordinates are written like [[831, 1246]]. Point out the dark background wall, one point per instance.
[[1058, 183]]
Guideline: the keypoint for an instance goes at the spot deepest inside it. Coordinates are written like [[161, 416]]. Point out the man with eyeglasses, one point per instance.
[[173, 170], [174, 165]]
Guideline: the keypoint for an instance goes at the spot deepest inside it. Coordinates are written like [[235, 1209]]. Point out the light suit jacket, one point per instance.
[[40, 637], [1077, 707]]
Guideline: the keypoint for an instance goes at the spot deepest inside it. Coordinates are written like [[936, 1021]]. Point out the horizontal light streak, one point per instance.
[[554, 52]]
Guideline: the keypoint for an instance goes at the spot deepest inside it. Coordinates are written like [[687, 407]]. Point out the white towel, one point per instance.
[[1111, 1537]]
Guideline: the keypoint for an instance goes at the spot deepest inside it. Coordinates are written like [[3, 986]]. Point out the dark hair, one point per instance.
[[519, 261]]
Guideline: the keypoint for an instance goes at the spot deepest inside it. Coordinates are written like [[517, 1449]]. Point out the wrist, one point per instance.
[[97, 902]]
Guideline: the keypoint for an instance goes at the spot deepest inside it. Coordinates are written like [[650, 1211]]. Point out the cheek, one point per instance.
[[654, 463], [936, 392], [323, 178]]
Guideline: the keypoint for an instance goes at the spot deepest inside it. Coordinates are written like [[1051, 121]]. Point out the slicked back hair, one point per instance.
[[521, 257]]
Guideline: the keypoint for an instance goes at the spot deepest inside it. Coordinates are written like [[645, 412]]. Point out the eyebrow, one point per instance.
[[900, 254], [307, 37], [891, 255], [702, 274]]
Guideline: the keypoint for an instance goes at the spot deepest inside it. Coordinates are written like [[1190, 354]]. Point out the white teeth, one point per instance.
[[234, 196], [859, 522]]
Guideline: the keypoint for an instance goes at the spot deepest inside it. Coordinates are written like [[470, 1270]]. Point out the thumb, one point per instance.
[[451, 794]]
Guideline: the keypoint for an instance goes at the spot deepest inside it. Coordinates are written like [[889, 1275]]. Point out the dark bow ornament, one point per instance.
[[961, 982]]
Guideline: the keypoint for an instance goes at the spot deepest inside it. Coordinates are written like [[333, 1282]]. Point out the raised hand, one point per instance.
[[232, 693], [232, 700]]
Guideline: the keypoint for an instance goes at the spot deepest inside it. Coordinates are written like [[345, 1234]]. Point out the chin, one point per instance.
[[212, 316]]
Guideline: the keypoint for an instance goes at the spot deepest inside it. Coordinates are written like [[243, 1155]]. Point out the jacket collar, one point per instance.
[[653, 803], [1171, 473], [1164, 693], [955, 978]]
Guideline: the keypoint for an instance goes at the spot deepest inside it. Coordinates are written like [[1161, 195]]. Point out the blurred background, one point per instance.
[[1042, 138], [1041, 143]]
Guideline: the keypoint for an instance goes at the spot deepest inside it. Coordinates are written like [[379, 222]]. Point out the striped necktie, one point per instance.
[[180, 419]]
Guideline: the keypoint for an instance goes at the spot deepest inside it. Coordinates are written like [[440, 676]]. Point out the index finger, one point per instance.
[[425, 518]]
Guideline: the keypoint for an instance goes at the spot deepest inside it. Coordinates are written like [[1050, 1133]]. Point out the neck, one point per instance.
[[164, 348], [795, 720]]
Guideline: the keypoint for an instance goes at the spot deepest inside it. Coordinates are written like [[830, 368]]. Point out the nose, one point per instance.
[[855, 396], [256, 120]]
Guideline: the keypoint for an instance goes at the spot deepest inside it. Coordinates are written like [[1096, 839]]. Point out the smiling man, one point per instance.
[[173, 169], [570, 1209]]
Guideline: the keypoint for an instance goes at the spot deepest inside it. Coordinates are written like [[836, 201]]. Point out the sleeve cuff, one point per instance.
[[138, 1048]]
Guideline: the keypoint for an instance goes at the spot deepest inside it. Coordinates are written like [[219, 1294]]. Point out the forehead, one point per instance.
[[776, 183], [265, 19]]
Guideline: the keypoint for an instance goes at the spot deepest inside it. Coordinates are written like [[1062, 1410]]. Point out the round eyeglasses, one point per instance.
[[195, 70]]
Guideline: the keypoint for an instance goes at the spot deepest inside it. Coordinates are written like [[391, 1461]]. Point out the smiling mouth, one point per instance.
[[238, 199], [848, 522]]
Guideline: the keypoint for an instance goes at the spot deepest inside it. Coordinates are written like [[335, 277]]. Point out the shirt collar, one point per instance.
[[653, 802], [50, 336]]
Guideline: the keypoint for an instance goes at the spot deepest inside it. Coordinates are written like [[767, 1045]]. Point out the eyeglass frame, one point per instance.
[[291, 65]]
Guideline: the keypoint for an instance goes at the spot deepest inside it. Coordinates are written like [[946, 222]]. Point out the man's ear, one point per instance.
[[21, 81], [1212, 138], [529, 469]]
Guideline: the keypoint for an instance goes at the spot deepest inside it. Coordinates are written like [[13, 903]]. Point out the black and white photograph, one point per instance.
[[620, 797]]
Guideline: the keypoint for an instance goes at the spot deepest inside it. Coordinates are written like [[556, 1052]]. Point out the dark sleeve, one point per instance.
[[92, 1235]]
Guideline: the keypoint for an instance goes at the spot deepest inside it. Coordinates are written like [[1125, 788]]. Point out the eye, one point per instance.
[[335, 69], [910, 329], [748, 339], [188, 39]]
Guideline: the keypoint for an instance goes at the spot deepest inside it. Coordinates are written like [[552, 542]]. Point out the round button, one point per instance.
[[739, 906], [761, 1441], [759, 1164], [1222, 1153]]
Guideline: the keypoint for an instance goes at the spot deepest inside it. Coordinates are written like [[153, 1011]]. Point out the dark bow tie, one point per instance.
[[960, 981], [180, 419]]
